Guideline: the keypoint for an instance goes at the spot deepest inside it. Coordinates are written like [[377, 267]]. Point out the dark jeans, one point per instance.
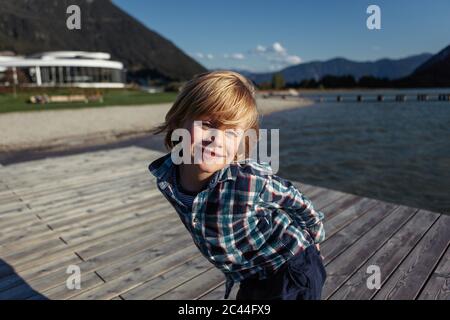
[[300, 278]]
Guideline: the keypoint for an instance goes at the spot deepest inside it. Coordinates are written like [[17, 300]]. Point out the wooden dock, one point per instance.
[[102, 212]]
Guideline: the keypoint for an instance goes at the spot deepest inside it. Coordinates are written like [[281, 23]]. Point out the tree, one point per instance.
[[347, 81], [278, 81]]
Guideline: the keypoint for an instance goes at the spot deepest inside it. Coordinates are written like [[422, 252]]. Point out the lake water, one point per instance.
[[393, 151]]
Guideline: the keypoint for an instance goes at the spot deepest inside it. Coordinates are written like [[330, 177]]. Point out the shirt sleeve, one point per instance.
[[281, 193]]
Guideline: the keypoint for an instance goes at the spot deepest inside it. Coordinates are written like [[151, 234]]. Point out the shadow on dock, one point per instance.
[[13, 286]]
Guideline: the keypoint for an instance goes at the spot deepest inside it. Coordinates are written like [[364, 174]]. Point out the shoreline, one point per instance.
[[28, 136]]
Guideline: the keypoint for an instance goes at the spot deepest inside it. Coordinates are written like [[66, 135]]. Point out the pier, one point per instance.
[[102, 213], [423, 97], [388, 98]]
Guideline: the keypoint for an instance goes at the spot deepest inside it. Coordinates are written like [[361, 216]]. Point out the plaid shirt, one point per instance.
[[247, 222]]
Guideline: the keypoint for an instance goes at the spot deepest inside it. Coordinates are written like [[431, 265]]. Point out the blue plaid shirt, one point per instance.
[[248, 221]]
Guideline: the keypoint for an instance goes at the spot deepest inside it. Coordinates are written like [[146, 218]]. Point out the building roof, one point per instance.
[[62, 59]]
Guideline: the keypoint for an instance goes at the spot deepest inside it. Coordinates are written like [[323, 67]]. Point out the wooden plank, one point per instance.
[[34, 259], [304, 188], [86, 195], [142, 257], [12, 205], [36, 188], [32, 256], [438, 285], [196, 287], [387, 258], [16, 278], [55, 270], [85, 189], [409, 278], [27, 232], [326, 198], [61, 292], [139, 275], [153, 250], [143, 236], [113, 196], [82, 237], [339, 205], [159, 231], [316, 193], [83, 233], [169, 280], [59, 208], [77, 236], [109, 215], [337, 243], [346, 216], [219, 292], [343, 266], [25, 289], [83, 210], [89, 159]]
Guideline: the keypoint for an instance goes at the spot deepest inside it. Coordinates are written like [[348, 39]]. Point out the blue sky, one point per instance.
[[268, 35]]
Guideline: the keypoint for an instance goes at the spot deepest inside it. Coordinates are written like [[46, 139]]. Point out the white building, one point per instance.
[[63, 68]]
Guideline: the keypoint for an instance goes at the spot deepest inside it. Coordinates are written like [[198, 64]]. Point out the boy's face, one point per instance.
[[212, 148]]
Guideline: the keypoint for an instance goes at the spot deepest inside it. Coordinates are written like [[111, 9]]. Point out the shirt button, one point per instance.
[[195, 220]]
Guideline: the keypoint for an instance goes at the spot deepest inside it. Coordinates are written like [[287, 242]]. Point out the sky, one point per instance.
[[268, 35]]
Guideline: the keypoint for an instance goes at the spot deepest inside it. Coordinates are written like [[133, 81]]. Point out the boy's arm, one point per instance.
[[283, 194]]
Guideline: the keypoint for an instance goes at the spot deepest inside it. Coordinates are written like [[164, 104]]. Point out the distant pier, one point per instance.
[[369, 97], [423, 97]]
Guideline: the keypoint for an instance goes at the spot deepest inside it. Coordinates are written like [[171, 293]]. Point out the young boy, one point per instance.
[[256, 227]]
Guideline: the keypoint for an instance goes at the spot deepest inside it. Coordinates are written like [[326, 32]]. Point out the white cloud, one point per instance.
[[293, 60], [278, 48], [260, 48], [237, 56], [275, 67], [279, 57], [274, 56], [285, 60], [201, 55]]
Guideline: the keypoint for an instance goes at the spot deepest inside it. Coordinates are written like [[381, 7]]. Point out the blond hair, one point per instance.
[[226, 97]]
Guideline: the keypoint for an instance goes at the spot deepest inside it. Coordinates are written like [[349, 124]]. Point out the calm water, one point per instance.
[[397, 152]]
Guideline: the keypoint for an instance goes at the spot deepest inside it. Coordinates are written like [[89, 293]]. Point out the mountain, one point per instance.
[[383, 68], [31, 26], [435, 72]]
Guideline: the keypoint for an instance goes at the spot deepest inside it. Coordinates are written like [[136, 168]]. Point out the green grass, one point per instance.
[[124, 97]]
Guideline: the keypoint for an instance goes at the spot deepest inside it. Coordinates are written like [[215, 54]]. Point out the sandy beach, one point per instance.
[[71, 128]]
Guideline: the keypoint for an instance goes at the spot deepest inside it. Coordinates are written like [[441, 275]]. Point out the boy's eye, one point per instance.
[[232, 133], [206, 124]]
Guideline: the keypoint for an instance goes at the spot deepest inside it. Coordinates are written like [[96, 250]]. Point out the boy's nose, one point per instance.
[[215, 141]]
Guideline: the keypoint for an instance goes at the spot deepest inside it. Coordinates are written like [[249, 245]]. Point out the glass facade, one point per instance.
[[68, 75]]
